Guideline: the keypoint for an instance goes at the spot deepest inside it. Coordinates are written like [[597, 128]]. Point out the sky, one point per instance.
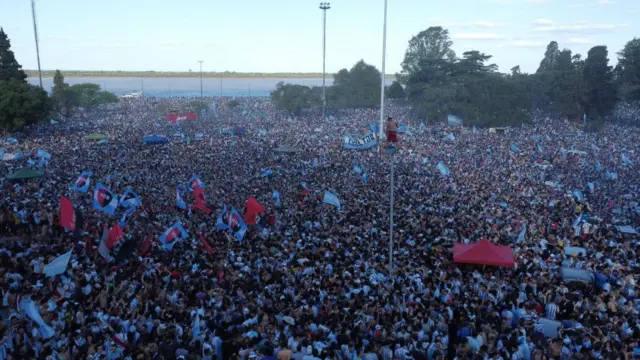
[[286, 35]]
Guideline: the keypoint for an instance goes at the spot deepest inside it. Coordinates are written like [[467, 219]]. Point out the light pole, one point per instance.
[[35, 34], [324, 6], [382, 81], [200, 61]]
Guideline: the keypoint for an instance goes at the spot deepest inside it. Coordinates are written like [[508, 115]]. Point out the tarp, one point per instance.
[[484, 253], [25, 173], [286, 149], [155, 139], [96, 136]]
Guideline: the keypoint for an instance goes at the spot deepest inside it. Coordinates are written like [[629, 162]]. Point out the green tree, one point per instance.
[[600, 91], [64, 100], [9, 67], [395, 90], [21, 105], [431, 44], [293, 98], [357, 87], [628, 70], [90, 95], [550, 57]]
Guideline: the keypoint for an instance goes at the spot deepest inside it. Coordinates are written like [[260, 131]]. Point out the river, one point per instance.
[[184, 87]]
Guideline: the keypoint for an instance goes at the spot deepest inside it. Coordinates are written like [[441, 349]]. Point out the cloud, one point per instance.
[[100, 45], [171, 43], [477, 36], [540, 22], [537, 1], [577, 27], [579, 40], [524, 44], [592, 4], [472, 24], [606, 2]]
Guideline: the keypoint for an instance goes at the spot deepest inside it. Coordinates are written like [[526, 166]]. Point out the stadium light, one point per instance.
[[324, 6]]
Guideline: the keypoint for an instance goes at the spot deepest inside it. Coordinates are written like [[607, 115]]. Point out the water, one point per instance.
[[184, 87]]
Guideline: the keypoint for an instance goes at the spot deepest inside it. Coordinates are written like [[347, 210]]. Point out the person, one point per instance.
[[392, 134]]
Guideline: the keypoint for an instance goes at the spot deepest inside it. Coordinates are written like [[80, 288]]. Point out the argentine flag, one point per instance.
[[58, 265], [331, 199]]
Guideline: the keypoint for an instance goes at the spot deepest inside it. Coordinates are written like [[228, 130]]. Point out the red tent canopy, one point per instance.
[[484, 253]]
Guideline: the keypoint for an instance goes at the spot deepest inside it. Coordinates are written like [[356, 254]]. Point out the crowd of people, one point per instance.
[[312, 280]]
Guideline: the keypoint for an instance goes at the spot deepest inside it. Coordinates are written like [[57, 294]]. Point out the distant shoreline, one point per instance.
[[177, 74]]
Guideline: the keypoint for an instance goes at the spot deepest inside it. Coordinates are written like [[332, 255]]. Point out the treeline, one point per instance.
[[437, 82], [22, 104], [180, 74]]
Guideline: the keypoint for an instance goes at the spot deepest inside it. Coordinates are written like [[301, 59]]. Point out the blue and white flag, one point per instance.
[[232, 220], [449, 137], [404, 129], [11, 140], [262, 132], [581, 218], [32, 310], [598, 167], [43, 154], [172, 235], [179, 202], [515, 148], [31, 162], [444, 170], [625, 159], [58, 265], [130, 199], [221, 224], [104, 200], [374, 128], [365, 178], [53, 122], [83, 182], [276, 198], [454, 120], [522, 233], [331, 199], [578, 195], [611, 175], [43, 162], [315, 162], [591, 186], [266, 172], [368, 141], [195, 183], [357, 169]]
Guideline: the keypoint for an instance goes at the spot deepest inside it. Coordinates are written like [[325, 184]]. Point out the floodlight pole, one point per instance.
[[382, 81], [324, 6], [35, 34]]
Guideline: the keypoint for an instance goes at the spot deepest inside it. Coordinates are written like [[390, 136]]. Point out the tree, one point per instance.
[[601, 93], [357, 87], [9, 67], [550, 57], [90, 95], [395, 91], [628, 70], [293, 98], [21, 105], [431, 44]]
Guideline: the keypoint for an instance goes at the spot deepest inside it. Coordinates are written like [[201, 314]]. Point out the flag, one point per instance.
[[58, 265], [32, 310], [104, 200], [276, 197], [315, 162], [625, 159], [114, 236], [515, 148], [43, 154], [444, 170], [598, 167], [331, 199], [195, 183], [233, 221], [365, 178], [220, 222], [67, 214], [578, 195], [201, 204], [266, 172], [102, 246], [146, 244], [172, 235], [522, 233], [206, 245], [125, 216], [130, 199], [253, 209], [179, 202], [357, 169], [43, 162], [591, 186], [83, 181]]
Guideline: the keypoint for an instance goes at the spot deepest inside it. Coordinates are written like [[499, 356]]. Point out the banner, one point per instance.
[[130, 199], [83, 182], [104, 200], [454, 120], [366, 142], [175, 117]]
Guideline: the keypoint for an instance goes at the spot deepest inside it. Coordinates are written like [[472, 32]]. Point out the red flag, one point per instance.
[[115, 234], [146, 244], [191, 116], [205, 244], [67, 214], [201, 203], [254, 208], [172, 117]]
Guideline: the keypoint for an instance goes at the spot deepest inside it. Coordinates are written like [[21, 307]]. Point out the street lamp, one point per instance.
[[35, 34], [200, 61], [382, 81], [324, 6]]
